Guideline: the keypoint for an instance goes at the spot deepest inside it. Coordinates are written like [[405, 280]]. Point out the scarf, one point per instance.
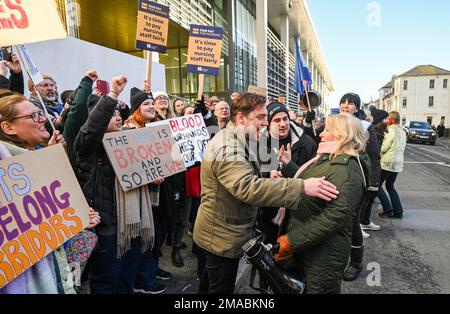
[[153, 188], [134, 218], [4, 152], [324, 148]]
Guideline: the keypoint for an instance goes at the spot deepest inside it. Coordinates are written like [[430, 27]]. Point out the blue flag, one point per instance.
[[302, 75]]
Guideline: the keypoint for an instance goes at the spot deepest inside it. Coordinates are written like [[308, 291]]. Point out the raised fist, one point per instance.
[[118, 84], [92, 75]]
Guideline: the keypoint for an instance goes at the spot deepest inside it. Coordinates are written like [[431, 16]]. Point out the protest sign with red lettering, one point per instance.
[[191, 135], [205, 49], [41, 207], [29, 21], [152, 26], [141, 156]]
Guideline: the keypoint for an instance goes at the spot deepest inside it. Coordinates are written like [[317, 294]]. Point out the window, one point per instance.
[[445, 83], [431, 101], [405, 85], [421, 125], [245, 45], [405, 102], [431, 84]]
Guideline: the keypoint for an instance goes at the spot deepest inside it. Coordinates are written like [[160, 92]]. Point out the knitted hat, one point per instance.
[[274, 108], [137, 97], [158, 94], [378, 116], [67, 96], [351, 98]]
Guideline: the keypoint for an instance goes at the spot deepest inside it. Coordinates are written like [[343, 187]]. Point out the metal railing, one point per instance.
[[276, 53]]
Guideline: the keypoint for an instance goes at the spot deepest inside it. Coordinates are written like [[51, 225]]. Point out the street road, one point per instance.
[[413, 253], [407, 256]]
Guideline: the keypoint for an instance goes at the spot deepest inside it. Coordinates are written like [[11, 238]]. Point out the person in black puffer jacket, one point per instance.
[[351, 103], [379, 124], [109, 274]]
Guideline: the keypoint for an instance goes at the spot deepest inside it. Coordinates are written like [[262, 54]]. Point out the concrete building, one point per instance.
[[258, 45], [421, 93]]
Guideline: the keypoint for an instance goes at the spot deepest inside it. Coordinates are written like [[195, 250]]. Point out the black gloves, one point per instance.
[[200, 107], [310, 116]]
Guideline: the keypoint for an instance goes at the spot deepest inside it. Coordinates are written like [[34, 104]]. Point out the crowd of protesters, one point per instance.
[[325, 184]]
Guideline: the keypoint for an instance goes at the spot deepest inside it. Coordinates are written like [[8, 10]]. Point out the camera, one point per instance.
[[6, 54], [275, 279]]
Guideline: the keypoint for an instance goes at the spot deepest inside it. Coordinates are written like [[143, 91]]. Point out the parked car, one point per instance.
[[419, 131]]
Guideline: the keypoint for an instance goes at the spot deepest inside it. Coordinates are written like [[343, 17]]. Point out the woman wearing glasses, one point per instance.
[[163, 110], [22, 128]]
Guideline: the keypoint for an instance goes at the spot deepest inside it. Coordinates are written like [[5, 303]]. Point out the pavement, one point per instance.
[[185, 278], [408, 256], [445, 141]]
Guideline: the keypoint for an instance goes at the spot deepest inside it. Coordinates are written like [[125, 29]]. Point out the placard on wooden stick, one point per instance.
[[152, 31], [205, 52], [152, 26], [35, 77]]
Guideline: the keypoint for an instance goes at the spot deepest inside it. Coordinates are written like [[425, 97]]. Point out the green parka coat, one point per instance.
[[321, 232]]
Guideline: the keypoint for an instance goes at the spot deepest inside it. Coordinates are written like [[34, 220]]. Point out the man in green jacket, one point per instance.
[[233, 189]]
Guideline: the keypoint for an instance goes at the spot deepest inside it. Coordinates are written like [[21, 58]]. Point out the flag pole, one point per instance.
[[41, 101], [309, 107]]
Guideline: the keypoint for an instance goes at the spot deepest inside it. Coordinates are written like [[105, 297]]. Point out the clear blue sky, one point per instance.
[[362, 57]]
